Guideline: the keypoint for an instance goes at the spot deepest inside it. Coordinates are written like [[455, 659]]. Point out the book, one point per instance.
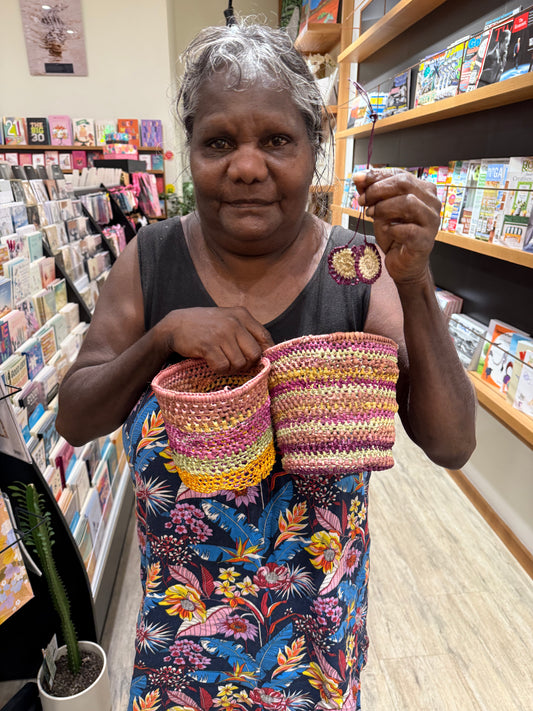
[[79, 160], [65, 161], [78, 481], [489, 199], [18, 330], [47, 377], [92, 512], [47, 337], [5, 342], [18, 270], [523, 400], [83, 132], [33, 351], [60, 130], [398, 96], [39, 190], [6, 295], [449, 303], [14, 130], [16, 587], [60, 457], [449, 70], [28, 309], [497, 50], [131, 127], [469, 59], [467, 335], [15, 370], [518, 347], [426, 80], [37, 131], [518, 202], [6, 223], [151, 133], [51, 158], [101, 128], [493, 358], [518, 58], [82, 536]]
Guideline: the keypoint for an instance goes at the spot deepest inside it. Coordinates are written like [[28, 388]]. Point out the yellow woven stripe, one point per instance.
[[329, 430], [236, 480], [224, 464], [189, 420]]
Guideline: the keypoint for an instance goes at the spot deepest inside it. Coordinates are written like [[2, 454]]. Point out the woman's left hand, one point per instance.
[[406, 214]]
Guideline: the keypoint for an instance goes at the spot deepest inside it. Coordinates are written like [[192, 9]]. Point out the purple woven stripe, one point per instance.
[[224, 442], [299, 384], [328, 470], [321, 346], [286, 419]]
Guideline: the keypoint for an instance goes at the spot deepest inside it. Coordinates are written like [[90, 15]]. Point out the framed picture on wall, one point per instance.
[[55, 43]]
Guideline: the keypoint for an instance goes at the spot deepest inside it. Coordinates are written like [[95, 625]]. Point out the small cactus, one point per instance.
[[40, 531]]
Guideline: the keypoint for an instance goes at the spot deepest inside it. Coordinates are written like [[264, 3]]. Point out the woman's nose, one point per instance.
[[247, 164]]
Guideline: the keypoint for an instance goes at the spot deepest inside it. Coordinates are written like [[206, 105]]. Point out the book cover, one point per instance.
[[79, 160], [82, 536], [92, 512], [28, 309], [323, 11], [6, 299], [16, 587], [47, 267], [5, 342], [493, 359], [19, 214], [6, 223], [14, 130], [469, 58], [48, 379], [449, 71], [51, 158], [518, 58], [428, 73], [467, 335], [151, 133], [59, 324], [33, 351], [102, 127], [60, 457], [15, 370], [18, 270], [83, 132], [37, 160], [102, 484], [78, 481], [18, 331], [496, 54], [398, 96], [47, 337], [523, 400], [65, 161], [518, 347], [488, 203], [31, 395], [60, 130], [39, 190], [131, 127], [518, 202]]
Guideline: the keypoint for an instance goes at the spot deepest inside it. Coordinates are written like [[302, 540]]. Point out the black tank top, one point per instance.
[[170, 281]]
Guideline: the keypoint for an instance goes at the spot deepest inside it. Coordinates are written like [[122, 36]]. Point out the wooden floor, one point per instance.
[[451, 611]]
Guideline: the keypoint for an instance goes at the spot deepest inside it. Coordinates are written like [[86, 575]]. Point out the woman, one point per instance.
[[237, 613]]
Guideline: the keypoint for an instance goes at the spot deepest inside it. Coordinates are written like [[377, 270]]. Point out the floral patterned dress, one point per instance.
[[254, 599]]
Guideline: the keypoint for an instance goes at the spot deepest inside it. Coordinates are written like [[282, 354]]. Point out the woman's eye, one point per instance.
[[278, 141], [219, 144]]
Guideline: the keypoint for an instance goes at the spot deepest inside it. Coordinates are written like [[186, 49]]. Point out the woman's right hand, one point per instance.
[[229, 339]]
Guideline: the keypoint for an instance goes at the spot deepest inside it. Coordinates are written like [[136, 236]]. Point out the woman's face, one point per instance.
[[251, 164]]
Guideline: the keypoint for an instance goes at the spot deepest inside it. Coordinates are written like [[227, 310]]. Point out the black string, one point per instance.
[[15, 391], [373, 117], [229, 14]]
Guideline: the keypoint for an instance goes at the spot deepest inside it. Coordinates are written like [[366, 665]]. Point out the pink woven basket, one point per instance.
[[219, 426], [333, 402]]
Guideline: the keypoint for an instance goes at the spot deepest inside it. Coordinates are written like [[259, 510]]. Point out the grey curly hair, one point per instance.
[[247, 53]]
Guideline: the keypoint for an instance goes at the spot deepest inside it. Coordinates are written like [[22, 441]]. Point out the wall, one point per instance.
[[128, 67]]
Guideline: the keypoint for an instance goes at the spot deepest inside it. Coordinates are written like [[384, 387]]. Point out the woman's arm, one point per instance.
[[118, 359], [436, 399]]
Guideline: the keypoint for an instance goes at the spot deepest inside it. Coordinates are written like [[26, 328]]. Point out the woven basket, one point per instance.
[[333, 403], [219, 426]]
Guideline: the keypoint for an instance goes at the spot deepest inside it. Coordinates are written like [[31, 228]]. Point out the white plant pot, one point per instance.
[[97, 697]]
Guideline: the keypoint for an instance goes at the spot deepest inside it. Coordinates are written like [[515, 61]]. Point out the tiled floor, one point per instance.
[[451, 611]]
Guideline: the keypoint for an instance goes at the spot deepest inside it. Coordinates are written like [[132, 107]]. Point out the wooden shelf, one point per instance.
[[318, 37], [21, 147], [392, 24], [502, 93], [498, 251], [492, 400]]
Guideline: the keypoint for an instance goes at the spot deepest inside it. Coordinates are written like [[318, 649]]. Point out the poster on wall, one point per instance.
[[53, 32]]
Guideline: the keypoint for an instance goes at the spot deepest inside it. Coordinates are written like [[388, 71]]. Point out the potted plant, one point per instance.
[[81, 681]]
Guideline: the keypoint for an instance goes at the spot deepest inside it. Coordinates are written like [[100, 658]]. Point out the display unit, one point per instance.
[[28, 631], [488, 122]]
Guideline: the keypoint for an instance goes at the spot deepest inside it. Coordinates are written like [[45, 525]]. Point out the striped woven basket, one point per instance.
[[219, 426], [333, 403]]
